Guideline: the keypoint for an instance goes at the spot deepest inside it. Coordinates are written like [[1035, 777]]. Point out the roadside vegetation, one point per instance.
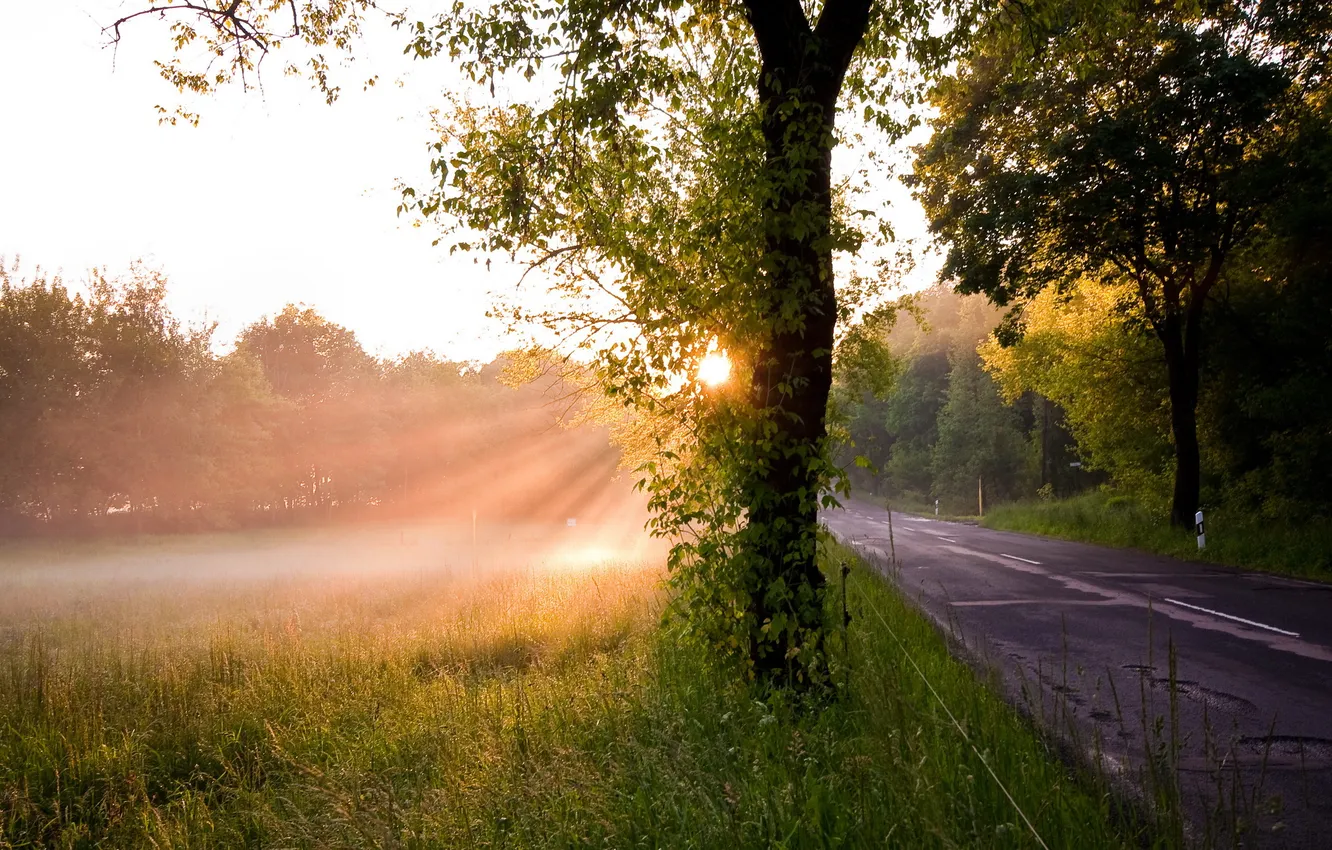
[[1233, 538], [519, 709]]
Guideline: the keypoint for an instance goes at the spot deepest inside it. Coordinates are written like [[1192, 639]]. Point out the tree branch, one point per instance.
[[840, 28], [781, 29], [219, 18]]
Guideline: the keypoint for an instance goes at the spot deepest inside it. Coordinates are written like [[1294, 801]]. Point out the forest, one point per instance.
[[1080, 402], [116, 416]]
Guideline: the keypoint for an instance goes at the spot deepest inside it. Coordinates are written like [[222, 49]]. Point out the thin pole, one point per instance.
[[892, 543]]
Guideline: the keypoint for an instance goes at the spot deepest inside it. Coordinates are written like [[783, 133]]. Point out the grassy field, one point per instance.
[[1238, 540], [499, 707]]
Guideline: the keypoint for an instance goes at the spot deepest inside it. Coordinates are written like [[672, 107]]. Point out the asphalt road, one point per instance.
[[1083, 637]]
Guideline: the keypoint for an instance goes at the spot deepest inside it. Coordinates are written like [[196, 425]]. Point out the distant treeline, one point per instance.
[[966, 412], [945, 432], [114, 414]]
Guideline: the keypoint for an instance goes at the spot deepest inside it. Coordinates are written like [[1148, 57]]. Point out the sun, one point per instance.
[[714, 369]]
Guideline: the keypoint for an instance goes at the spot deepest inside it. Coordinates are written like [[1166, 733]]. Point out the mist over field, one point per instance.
[[193, 577], [242, 688]]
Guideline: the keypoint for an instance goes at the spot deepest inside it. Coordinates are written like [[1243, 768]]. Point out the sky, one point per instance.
[[275, 197]]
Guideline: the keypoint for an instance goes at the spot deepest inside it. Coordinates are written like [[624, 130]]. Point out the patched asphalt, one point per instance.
[[1085, 637]]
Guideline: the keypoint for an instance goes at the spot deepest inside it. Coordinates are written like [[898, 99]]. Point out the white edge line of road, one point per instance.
[[1233, 617], [1024, 560]]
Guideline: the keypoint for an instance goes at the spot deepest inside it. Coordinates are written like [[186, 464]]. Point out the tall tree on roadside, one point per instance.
[[672, 174], [1131, 141]]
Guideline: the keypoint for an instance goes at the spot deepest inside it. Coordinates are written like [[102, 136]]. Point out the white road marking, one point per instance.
[[1233, 617], [949, 539], [1171, 576], [1023, 560], [982, 603]]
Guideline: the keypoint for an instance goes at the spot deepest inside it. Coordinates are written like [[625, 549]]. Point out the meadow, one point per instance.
[[401, 690]]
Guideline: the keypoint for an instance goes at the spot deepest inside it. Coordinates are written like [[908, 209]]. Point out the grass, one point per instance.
[[1233, 538], [518, 709]]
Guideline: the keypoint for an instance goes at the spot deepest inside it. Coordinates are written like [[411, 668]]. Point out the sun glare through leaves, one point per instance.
[[714, 369]]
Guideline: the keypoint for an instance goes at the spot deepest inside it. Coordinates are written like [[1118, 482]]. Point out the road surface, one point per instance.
[[1082, 637]]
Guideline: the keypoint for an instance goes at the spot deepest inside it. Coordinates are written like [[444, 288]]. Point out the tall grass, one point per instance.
[[1233, 537], [525, 710]]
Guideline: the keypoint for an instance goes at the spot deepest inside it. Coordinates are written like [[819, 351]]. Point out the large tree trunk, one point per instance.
[[801, 78], [1181, 337], [791, 383]]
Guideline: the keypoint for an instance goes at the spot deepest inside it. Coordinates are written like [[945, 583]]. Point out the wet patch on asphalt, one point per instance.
[[1308, 747], [1191, 690]]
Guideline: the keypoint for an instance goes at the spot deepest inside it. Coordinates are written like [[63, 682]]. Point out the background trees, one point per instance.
[[978, 439], [946, 427], [1088, 351], [1086, 384], [116, 416]]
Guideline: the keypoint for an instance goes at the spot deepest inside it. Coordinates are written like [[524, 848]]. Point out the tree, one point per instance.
[[316, 366], [138, 425], [1146, 144], [44, 369], [713, 221], [1089, 351], [672, 175], [979, 440]]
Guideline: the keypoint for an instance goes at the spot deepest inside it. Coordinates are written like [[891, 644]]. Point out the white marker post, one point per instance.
[[1202, 538], [936, 507]]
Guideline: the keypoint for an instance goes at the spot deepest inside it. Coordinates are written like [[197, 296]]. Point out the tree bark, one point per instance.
[[1180, 336], [802, 72]]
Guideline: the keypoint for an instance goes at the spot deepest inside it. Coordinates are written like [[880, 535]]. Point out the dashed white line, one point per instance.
[[984, 603], [1233, 617], [1023, 560], [949, 539]]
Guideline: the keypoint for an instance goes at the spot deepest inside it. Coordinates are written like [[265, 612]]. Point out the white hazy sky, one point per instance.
[[274, 198]]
